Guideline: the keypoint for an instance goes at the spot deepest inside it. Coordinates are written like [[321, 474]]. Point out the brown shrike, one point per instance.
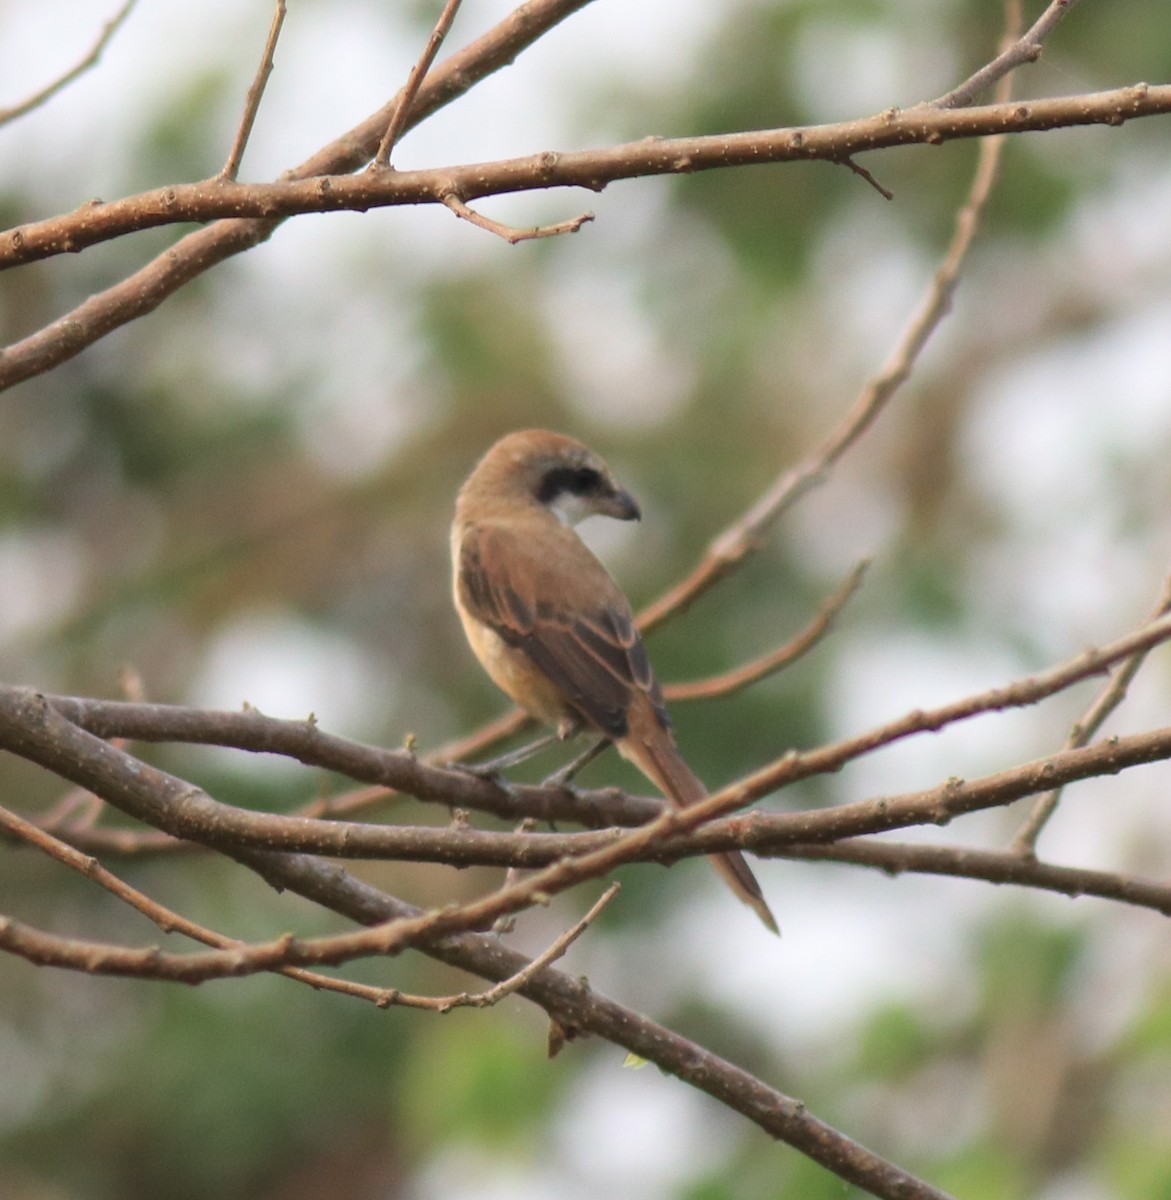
[[548, 623]]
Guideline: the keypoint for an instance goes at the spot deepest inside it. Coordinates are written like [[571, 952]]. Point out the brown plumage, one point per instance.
[[551, 627]]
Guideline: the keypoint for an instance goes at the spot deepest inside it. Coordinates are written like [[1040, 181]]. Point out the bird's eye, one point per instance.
[[585, 479], [573, 481]]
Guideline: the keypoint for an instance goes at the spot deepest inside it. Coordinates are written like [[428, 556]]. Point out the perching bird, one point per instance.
[[551, 627]]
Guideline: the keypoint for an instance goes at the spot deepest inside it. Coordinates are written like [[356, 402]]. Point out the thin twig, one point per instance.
[[46, 93], [122, 843], [736, 680], [525, 826], [231, 168], [863, 173], [1026, 49], [510, 233], [406, 97], [77, 809], [1107, 700], [506, 987]]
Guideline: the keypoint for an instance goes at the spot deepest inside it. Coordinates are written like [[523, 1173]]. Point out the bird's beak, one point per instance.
[[622, 505]]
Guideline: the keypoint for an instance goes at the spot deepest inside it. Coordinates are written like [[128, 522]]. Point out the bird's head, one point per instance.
[[557, 473]]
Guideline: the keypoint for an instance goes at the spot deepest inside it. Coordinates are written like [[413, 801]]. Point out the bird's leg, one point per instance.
[[491, 768], [564, 775]]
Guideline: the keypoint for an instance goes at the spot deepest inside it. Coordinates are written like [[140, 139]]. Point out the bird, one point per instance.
[[550, 626]]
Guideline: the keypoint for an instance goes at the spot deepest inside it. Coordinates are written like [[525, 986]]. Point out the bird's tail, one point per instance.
[[659, 759]]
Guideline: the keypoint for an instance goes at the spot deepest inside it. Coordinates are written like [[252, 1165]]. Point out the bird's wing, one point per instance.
[[551, 599]]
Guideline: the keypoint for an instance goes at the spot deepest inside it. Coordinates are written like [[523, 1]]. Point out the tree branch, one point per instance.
[[23, 711], [818, 833], [593, 169], [145, 289], [238, 959], [992, 866], [34, 728], [578, 1009]]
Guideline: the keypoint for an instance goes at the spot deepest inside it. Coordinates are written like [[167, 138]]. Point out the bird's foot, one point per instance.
[[490, 772]]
